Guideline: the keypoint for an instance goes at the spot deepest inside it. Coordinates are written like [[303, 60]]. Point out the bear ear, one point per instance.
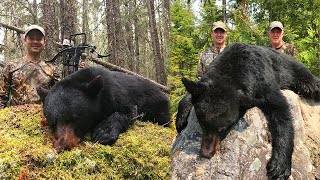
[[42, 92], [94, 86], [194, 88]]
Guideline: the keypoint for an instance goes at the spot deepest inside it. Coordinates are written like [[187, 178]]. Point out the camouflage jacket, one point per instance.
[[287, 49], [19, 80], [206, 58]]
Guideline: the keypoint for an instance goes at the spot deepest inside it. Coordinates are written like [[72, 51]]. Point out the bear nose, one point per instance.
[[65, 139], [206, 154], [58, 145], [209, 145]]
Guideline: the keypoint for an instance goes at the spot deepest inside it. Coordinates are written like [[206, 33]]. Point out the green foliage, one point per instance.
[[190, 37], [182, 19], [183, 54], [26, 151], [301, 23], [309, 47], [209, 14], [246, 31]]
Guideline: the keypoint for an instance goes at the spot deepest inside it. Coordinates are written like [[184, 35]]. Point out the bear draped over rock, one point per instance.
[[102, 102], [244, 76]]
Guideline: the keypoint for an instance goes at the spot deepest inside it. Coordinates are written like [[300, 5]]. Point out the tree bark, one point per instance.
[[224, 10], [129, 34], [68, 17], [85, 20], [50, 24], [136, 40], [115, 33], [158, 59], [166, 29], [35, 12]]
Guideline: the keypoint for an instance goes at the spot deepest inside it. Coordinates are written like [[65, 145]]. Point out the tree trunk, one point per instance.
[[129, 34], [115, 33], [50, 24], [166, 29], [224, 10], [35, 12], [85, 20], [136, 40], [158, 59], [68, 17]]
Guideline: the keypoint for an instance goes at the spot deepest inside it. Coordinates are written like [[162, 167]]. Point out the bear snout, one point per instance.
[[209, 145], [65, 139]]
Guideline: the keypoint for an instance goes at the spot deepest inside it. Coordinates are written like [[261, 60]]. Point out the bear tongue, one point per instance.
[[209, 145]]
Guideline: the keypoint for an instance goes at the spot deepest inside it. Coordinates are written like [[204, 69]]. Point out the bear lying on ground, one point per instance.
[[244, 76], [102, 102]]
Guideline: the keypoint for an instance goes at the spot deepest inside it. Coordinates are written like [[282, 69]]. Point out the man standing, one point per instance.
[[21, 77], [276, 33], [219, 36]]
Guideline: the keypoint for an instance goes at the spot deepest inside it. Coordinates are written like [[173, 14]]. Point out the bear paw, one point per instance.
[[103, 137], [278, 170]]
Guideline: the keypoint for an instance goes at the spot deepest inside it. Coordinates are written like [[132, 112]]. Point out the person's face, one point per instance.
[[219, 36], [34, 42], [276, 35]]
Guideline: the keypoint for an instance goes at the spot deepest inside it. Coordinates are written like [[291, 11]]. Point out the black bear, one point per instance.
[[184, 109], [244, 76], [102, 102]]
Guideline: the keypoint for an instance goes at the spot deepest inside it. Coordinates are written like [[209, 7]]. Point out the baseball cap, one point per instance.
[[276, 24], [219, 24], [32, 27]]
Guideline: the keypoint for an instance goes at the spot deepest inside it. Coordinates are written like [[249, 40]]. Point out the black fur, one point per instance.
[[104, 103], [184, 109], [244, 76]]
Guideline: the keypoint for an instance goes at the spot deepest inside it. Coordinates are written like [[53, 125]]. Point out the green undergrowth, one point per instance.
[[26, 151]]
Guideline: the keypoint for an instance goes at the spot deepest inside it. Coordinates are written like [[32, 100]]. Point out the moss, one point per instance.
[[26, 151]]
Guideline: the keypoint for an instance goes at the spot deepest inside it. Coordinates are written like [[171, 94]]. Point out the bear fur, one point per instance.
[[101, 102], [184, 109], [244, 76]]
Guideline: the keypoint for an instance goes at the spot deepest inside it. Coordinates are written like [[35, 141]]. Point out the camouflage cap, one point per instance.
[[32, 27], [276, 24], [219, 24]]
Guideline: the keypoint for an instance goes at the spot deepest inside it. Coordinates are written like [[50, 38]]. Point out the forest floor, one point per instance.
[[26, 151]]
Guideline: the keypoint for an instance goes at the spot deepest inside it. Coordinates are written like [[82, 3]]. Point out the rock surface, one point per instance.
[[245, 151]]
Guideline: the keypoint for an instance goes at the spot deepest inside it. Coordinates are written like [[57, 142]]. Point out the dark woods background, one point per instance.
[[136, 32], [161, 39]]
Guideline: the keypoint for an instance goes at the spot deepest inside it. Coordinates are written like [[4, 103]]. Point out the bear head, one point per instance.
[[71, 108], [217, 109]]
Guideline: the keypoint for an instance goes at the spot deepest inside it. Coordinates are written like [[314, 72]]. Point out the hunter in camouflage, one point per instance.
[[219, 36], [276, 33], [288, 49], [206, 58], [21, 77]]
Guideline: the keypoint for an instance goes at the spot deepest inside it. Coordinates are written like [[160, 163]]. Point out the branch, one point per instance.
[[18, 30], [21, 31], [120, 69]]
